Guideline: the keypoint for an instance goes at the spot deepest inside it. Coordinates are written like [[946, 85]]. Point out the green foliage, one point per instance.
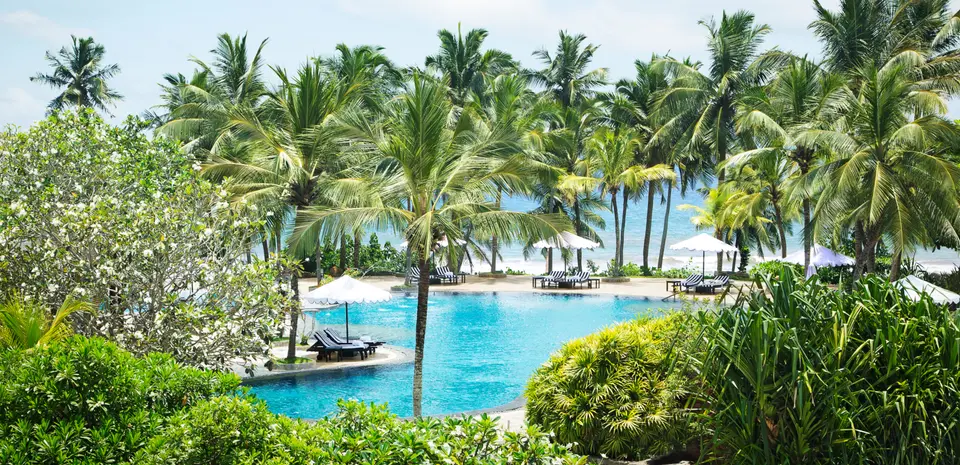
[[229, 430], [802, 374], [107, 215], [88, 401], [25, 324], [634, 270], [950, 280], [513, 272], [619, 392], [375, 258], [773, 268]]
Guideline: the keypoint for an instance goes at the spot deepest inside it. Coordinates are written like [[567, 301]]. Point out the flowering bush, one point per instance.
[[105, 214]]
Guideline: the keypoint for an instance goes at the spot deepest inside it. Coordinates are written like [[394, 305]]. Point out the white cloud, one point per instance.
[[33, 25], [19, 107]]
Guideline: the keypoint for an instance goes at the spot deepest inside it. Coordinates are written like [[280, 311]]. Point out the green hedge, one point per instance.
[[87, 401], [231, 430], [620, 392]]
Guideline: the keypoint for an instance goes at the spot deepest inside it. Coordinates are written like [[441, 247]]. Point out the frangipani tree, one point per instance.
[[420, 173]]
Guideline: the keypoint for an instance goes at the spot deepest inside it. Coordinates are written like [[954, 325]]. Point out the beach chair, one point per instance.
[[446, 275], [692, 281], [578, 278], [553, 279], [415, 275], [325, 346], [719, 282], [335, 336]]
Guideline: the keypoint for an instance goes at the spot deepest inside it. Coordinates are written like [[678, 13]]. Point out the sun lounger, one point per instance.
[[553, 279], [335, 336], [717, 283], [691, 282], [578, 278], [446, 275], [415, 275], [325, 346]]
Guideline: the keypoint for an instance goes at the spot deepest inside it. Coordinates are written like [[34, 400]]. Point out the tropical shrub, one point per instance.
[[231, 430], [773, 268], [947, 280], [619, 392], [109, 216], [375, 258], [86, 400], [26, 323], [802, 374]]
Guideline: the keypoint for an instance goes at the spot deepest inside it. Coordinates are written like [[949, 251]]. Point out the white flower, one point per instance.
[[147, 253]]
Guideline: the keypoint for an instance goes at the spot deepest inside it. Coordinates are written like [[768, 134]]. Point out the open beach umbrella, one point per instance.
[[914, 287], [819, 256], [704, 243], [567, 240], [346, 290]]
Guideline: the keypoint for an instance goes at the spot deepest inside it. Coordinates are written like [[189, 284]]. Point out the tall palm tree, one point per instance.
[[890, 176], [424, 173], [25, 324], [611, 155], [81, 76], [705, 105], [801, 97], [508, 104], [763, 186], [200, 114], [465, 66]]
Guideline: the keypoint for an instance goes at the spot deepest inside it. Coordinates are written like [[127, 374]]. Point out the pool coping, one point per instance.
[[405, 356]]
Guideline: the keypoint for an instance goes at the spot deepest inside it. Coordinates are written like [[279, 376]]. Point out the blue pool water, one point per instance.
[[480, 350]]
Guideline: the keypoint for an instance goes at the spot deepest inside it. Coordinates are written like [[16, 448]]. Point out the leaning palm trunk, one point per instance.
[[618, 238], [648, 228], [356, 250], [623, 230], [494, 243], [719, 236], [781, 231], [807, 234], [294, 316], [666, 224], [423, 289], [579, 230]]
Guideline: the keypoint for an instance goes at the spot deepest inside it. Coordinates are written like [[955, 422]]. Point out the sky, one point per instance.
[[148, 39]]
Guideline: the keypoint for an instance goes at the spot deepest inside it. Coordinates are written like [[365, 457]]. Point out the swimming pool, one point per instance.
[[480, 349]]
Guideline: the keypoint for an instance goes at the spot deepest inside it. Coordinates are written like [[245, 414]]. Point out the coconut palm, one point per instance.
[[566, 75], [200, 114], [27, 323], [762, 186], [464, 66], [81, 76], [611, 156], [704, 106], [890, 177], [428, 178], [801, 97]]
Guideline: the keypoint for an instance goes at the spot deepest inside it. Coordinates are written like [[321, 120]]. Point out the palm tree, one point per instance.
[[508, 104], [81, 76], [427, 178], [565, 74], [705, 105], [801, 97], [611, 156], [465, 67], [27, 323], [200, 111], [890, 176], [760, 189]]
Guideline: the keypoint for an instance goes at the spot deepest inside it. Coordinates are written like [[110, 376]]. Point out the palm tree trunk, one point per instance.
[[807, 234], [860, 258], [778, 216], [718, 234], [294, 317], [423, 288], [408, 262], [266, 249], [549, 260], [249, 254], [494, 243], [623, 229], [356, 250], [343, 252], [895, 266], [666, 224], [616, 229], [319, 258], [579, 228], [648, 228]]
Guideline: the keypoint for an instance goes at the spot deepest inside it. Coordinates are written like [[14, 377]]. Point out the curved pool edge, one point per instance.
[[405, 356]]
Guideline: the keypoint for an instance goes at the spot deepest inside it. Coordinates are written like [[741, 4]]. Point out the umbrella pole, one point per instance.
[[704, 270], [346, 311]]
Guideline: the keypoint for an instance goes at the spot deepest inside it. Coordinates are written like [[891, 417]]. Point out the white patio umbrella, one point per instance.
[[819, 256], [346, 290], [567, 240], [704, 243], [914, 287]]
